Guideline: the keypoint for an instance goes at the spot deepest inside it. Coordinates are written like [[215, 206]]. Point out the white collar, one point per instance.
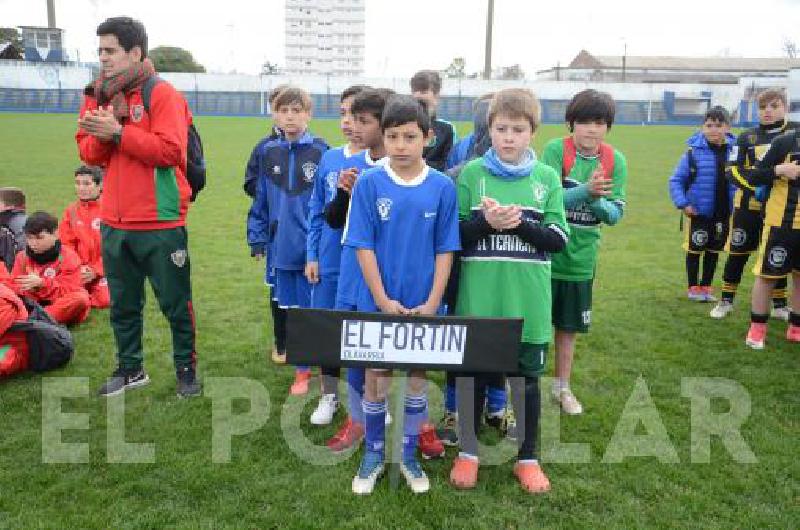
[[416, 181]]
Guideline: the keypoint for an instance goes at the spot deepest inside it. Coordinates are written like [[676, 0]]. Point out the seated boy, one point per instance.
[[700, 189], [80, 230], [425, 86], [49, 272], [12, 221]]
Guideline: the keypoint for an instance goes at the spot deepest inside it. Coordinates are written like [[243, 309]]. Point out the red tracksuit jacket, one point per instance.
[[80, 230], [145, 186], [61, 276]]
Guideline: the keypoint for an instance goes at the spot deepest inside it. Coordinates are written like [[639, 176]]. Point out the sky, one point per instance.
[[402, 37]]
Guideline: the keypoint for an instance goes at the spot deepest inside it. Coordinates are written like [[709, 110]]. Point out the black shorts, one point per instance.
[[779, 253], [704, 234], [745, 233]]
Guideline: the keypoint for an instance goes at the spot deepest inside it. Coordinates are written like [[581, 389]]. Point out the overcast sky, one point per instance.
[[406, 35]]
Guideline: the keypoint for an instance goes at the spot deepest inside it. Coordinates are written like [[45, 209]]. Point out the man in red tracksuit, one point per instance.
[[49, 272], [80, 230], [13, 344], [145, 200]]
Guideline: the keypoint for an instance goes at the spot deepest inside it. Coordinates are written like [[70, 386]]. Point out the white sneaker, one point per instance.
[[415, 477], [781, 313], [722, 309], [569, 403], [323, 415]]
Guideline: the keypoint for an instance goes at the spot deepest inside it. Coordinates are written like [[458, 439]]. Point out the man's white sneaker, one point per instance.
[[722, 309], [323, 415], [569, 403]]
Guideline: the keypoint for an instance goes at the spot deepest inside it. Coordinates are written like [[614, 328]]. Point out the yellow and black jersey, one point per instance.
[[749, 149], [782, 205]]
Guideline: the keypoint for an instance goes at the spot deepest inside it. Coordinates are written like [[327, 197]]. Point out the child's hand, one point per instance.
[[87, 274], [426, 309], [29, 282], [599, 185], [347, 179], [501, 217], [690, 211], [312, 272], [393, 307], [790, 170]]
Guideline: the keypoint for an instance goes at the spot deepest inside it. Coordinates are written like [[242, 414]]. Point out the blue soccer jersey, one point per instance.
[[350, 279], [406, 224]]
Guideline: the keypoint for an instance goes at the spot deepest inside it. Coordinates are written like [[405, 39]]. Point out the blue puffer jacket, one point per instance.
[[701, 194]]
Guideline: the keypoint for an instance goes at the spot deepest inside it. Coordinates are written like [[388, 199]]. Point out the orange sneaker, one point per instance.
[[429, 443], [349, 435], [300, 385], [531, 477], [756, 335], [793, 333], [464, 474]]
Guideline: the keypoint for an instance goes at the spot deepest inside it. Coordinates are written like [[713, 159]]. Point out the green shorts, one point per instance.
[[572, 305], [532, 358]]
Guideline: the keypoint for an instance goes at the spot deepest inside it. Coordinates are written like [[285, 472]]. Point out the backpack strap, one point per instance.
[[570, 152], [147, 91]]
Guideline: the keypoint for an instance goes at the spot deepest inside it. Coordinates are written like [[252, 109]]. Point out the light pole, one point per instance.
[[487, 59]]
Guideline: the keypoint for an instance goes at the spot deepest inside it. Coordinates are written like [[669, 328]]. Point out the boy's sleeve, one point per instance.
[[610, 210], [90, 149], [736, 171], [779, 149], [258, 219], [555, 216], [446, 234], [252, 171], [65, 232], [677, 183], [360, 229], [164, 145], [315, 213], [67, 280], [551, 155]]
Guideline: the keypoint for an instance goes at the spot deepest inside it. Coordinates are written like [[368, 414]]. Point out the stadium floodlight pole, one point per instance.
[[51, 14], [487, 60]]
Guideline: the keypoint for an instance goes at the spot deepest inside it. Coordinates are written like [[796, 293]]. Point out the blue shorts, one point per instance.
[[292, 289], [323, 294]]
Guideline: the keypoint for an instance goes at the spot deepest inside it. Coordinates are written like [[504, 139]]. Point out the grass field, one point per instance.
[[644, 330]]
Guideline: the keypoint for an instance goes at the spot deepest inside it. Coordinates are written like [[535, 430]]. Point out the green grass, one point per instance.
[[643, 329]]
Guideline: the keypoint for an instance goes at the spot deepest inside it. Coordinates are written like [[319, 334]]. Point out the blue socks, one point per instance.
[[416, 413], [495, 399], [375, 435], [355, 394]]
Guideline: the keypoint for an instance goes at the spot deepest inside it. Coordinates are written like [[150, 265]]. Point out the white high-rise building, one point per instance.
[[325, 37]]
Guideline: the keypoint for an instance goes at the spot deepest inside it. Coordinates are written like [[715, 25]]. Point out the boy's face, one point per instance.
[[367, 130], [430, 98], [346, 118], [404, 145], [773, 111], [588, 135], [85, 188], [510, 137], [113, 57], [293, 120], [41, 242], [715, 131]]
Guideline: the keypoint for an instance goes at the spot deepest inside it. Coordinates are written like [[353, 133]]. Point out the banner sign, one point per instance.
[[320, 337]]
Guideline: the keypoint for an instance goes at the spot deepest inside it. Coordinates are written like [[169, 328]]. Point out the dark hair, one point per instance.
[[371, 101], [129, 32], [275, 91], [291, 95], [12, 197], [771, 94], [39, 222], [426, 80], [590, 105], [353, 91], [402, 109], [95, 172], [717, 113]]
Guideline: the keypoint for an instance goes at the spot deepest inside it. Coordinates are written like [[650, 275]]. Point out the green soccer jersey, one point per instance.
[[503, 276], [585, 215]]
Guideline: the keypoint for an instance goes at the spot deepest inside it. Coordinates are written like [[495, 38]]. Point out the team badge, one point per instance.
[[331, 179], [700, 238], [309, 168], [777, 257], [96, 223], [539, 192], [49, 272], [734, 154], [384, 207], [738, 236], [276, 170], [137, 113], [179, 258]]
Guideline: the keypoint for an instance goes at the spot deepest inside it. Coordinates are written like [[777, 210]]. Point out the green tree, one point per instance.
[[174, 59], [12, 35]]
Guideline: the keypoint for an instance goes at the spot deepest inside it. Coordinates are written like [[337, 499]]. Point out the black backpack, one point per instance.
[[9, 246], [50, 344], [195, 161]]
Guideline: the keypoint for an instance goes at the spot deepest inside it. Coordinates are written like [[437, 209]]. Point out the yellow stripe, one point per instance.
[[738, 176]]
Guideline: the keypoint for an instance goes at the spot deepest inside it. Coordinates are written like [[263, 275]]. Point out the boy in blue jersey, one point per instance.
[[277, 223], [324, 244], [404, 226], [275, 132], [367, 109]]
